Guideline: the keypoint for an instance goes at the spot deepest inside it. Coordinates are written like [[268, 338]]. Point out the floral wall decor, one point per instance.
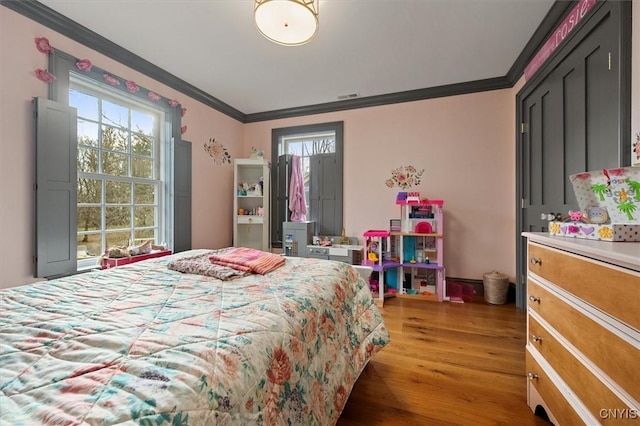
[[44, 75], [404, 177], [43, 46], [217, 151], [132, 87], [109, 79], [84, 65]]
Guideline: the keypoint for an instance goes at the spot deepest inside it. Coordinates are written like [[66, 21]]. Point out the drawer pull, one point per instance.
[[534, 298], [535, 261], [532, 376], [536, 338]]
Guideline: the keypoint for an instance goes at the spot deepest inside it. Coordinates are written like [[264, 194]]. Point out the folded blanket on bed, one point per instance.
[[248, 260], [201, 265]]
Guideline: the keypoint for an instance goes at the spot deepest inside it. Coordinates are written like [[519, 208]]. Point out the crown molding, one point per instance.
[[391, 98]]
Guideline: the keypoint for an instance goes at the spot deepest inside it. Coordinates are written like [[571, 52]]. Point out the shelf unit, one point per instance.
[[408, 252], [251, 229]]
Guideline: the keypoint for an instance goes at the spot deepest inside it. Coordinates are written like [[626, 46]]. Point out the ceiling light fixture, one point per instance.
[[287, 22]]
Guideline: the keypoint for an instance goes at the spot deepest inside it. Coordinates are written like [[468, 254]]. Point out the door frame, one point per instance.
[[621, 12]]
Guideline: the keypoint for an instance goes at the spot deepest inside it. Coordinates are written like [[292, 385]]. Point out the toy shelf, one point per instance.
[[423, 202], [396, 255], [414, 234], [422, 265], [377, 266]]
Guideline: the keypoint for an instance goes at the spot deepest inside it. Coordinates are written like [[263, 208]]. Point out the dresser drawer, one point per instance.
[[612, 354], [613, 290], [589, 389], [554, 400]]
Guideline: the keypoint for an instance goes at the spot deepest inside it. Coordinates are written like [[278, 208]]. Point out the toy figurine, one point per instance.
[[597, 215]]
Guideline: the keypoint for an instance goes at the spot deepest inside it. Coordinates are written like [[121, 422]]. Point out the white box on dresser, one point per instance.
[[583, 326]]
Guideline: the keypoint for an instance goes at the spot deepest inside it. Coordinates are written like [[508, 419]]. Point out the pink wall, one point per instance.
[[464, 143], [212, 195]]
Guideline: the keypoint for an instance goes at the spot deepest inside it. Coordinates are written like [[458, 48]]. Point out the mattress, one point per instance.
[[141, 344]]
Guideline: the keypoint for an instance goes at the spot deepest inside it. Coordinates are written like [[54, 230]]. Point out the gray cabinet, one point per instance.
[[297, 235]]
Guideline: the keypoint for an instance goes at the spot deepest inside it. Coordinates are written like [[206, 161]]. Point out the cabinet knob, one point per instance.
[[536, 338], [534, 298], [535, 261], [532, 376]]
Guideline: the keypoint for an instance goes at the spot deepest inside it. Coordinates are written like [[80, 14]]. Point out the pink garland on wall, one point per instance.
[[43, 46], [44, 75]]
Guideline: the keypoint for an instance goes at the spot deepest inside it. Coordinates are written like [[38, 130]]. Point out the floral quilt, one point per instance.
[[142, 344]]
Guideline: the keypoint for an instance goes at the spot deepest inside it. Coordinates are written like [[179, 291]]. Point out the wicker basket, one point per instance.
[[496, 287]]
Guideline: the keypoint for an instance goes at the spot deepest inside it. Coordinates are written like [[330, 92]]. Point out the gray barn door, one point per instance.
[[571, 122], [325, 194], [56, 188]]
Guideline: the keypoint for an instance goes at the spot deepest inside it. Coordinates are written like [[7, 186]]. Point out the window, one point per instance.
[[320, 149], [120, 189], [111, 168], [305, 147]]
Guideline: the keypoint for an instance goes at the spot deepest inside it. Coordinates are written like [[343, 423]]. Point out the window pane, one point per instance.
[[89, 245], [86, 105], [118, 217], [145, 194], [88, 160], [142, 167], [117, 239], [89, 219], [118, 192], [145, 216], [142, 144], [294, 148], [114, 139], [142, 122], [143, 235], [114, 164], [89, 191], [87, 133], [115, 114], [327, 146]]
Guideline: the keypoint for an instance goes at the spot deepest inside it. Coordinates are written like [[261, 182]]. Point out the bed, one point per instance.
[[142, 344]]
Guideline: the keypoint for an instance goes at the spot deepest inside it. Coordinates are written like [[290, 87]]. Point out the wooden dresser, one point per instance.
[[583, 325]]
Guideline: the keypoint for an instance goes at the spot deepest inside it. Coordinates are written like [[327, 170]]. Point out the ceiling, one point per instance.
[[364, 47]]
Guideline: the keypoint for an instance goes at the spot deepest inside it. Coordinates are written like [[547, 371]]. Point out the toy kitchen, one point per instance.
[[300, 241]]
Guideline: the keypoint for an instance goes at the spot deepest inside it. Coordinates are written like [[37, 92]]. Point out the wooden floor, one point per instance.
[[447, 364]]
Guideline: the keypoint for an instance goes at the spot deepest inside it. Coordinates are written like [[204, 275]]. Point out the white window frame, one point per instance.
[[159, 154]]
